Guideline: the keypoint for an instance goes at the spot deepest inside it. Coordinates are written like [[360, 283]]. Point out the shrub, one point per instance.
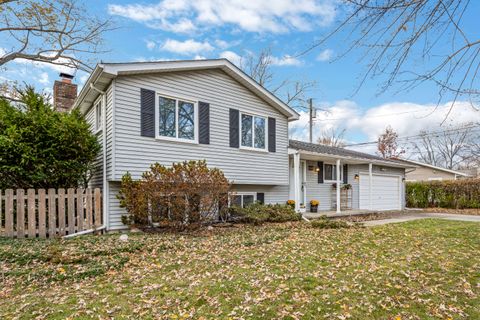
[[326, 223], [43, 148], [454, 194], [258, 213], [184, 194]]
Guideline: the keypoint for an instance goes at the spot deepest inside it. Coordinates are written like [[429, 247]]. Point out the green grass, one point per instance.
[[425, 269]]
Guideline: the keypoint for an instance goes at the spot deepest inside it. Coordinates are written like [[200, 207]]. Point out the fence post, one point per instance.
[[61, 211], [80, 209], [71, 210], [98, 208], [52, 214], [9, 213], [88, 208], [20, 213], [42, 216], [32, 222]]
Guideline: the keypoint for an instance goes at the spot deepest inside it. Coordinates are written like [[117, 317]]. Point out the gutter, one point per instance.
[[106, 192]]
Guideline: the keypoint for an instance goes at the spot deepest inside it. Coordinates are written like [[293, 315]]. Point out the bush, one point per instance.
[[453, 194], [326, 223], [184, 194], [258, 213], [43, 148]]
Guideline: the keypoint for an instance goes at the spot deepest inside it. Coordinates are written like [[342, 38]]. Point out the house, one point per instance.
[[146, 112], [428, 172]]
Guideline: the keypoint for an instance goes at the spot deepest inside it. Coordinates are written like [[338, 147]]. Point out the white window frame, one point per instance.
[[253, 115], [334, 171], [98, 117], [177, 99], [231, 194]]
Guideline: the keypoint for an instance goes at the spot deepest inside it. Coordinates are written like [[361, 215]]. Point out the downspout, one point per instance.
[[104, 152]]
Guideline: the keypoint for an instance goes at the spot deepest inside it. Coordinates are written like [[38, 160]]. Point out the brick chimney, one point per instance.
[[64, 93]]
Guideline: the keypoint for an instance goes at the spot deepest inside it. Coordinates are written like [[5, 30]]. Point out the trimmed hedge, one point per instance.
[[453, 194], [258, 213]]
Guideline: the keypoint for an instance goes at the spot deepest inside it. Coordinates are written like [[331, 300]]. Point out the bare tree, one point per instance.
[[426, 149], [259, 67], [451, 148], [58, 32], [387, 144], [412, 42], [332, 137]]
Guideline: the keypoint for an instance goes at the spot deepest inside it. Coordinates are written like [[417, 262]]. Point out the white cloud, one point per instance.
[[150, 44], [185, 16], [43, 78], [286, 61], [325, 55], [232, 57], [186, 47], [405, 118], [199, 57]]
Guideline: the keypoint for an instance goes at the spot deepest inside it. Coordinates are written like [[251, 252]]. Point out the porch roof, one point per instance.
[[319, 150]]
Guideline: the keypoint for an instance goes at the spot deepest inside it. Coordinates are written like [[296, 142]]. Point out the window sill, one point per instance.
[[254, 149], [160, 138]]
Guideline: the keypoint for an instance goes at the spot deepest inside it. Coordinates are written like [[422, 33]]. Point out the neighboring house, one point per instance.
[[428, 172], [471, 172], [167, 112]]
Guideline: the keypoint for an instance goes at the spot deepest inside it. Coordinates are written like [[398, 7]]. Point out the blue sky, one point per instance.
[[186, 29]]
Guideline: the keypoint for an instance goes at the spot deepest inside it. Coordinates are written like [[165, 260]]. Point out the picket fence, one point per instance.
[[42, 214]]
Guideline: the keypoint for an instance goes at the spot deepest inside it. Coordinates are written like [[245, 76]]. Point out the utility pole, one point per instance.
[[310, 122]]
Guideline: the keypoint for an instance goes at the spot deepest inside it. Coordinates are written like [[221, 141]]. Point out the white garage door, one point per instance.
[[386, 192]]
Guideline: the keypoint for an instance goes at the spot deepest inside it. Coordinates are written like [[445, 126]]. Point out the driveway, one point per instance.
[[417, 216]]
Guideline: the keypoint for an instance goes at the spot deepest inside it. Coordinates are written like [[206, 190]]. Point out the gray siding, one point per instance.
[[115, 213], [323, 191], [135, 153], [97, 178], [318, 191], [273, 194]]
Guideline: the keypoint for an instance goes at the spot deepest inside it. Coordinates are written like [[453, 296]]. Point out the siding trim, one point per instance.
[[113, 130]]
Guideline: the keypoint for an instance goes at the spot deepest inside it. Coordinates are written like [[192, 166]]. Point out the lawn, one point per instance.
[[418, 270]]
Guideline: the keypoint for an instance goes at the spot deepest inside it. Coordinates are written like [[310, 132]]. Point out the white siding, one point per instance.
[[115, 213], [135, 153], [273, 194], [318, 191]]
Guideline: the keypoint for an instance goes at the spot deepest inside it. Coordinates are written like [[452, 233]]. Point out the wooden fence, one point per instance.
[[38, 213]]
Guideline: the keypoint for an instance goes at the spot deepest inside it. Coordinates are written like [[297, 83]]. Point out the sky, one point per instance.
[[198, 29]]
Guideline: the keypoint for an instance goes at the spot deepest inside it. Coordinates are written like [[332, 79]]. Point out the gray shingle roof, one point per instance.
[[334, 151]]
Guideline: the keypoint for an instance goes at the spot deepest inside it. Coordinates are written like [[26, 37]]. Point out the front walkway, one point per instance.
[[333, 213], [417, 216]]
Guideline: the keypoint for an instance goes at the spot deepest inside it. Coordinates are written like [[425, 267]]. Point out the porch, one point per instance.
[[344, 182]]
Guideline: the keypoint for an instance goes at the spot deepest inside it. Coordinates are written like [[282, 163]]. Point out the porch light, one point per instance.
[[356, 177], [317, 169]]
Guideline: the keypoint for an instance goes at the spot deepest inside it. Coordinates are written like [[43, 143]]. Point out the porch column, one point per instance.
[[370, 179], [296, 180], [338, 186]]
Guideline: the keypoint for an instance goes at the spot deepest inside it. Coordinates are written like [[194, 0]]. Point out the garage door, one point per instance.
[[386, 192]]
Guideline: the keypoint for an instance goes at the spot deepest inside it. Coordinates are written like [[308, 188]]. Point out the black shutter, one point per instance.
[[272, 142], [345, 173], [204, 123], [320, 171], [261, 197], [147, 113], [234, 129]]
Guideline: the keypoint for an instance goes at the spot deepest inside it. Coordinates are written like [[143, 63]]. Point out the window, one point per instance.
[[176, 118], [253, 131], [330, 172], [98, 116], [243, 199]]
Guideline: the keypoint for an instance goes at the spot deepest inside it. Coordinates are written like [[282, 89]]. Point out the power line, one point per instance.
[[368, 117], [420, 136]]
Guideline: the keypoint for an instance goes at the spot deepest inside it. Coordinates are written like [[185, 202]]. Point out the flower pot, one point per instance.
[[313, 208]]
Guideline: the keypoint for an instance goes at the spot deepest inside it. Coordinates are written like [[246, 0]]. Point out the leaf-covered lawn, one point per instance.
[[418, 270]]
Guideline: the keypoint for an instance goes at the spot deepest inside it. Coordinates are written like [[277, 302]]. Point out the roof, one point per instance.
[[417, 163], [342, 153], [103, 73]]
